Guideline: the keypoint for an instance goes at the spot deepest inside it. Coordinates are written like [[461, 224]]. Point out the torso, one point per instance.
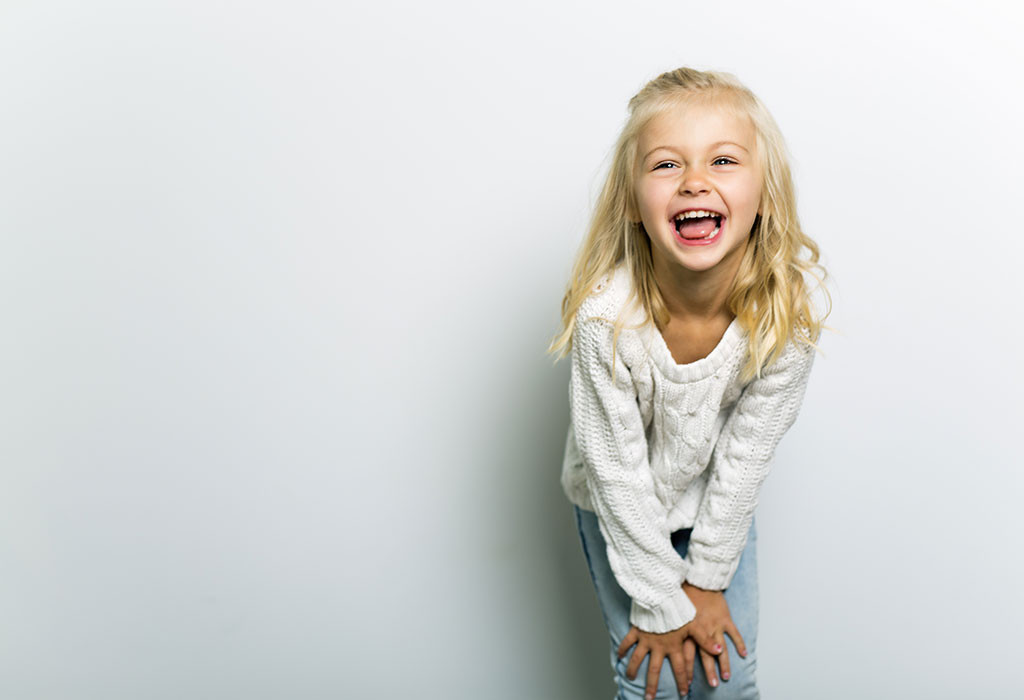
[[692, 341]]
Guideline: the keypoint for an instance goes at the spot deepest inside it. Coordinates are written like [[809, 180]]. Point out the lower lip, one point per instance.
[[702, 241]]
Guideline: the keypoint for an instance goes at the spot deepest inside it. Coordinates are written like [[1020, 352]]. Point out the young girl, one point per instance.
[[692, 334]]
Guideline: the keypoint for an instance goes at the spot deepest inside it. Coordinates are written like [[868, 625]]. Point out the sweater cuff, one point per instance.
[[670, 615], [709, 575]]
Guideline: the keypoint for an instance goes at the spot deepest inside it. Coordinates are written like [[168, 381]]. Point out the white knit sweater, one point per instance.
[[669, 447]]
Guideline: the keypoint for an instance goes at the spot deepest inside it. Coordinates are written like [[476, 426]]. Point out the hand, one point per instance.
[[709, 627], [659, 646]]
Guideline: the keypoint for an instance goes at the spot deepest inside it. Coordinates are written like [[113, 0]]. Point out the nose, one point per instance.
[[694, 182]]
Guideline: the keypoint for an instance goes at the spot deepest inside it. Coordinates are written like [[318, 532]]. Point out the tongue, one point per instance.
[[696, 228]]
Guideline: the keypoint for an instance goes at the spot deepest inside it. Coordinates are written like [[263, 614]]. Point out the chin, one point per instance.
[[702, 261], [698, 265]]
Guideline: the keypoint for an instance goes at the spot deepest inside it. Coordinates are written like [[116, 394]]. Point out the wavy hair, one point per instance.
[[770, 295]]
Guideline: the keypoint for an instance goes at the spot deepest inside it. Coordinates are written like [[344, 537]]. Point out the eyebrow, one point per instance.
[[714, 145]]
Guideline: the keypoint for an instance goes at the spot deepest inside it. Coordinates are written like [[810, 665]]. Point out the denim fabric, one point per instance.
[[741, 596]]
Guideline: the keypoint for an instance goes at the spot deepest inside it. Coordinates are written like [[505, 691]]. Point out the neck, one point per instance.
[[696, 296]]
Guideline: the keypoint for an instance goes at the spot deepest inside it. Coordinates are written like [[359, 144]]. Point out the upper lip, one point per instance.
[[683, 211]]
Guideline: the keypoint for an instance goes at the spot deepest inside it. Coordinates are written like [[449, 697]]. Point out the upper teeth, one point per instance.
[[696, 214]]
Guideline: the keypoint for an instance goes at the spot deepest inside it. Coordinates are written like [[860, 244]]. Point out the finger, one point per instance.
[[653, 673], [708, 661], [628, 641], [723, 662], [689, 652], [678, 662], [635, 660], [737, 639]]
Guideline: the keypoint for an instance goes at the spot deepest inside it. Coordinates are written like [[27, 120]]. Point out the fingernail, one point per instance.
[[714, 682], [725, 676], [718, 647], [649, 696]]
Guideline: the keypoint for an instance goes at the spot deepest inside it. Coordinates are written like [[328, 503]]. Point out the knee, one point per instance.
[[636, 688], [742, 683]]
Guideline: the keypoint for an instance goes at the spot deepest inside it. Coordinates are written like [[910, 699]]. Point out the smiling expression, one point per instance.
[[698, 157]]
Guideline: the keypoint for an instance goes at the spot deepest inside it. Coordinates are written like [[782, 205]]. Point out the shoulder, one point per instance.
[[612, 301], [611, 298], [792, 365]]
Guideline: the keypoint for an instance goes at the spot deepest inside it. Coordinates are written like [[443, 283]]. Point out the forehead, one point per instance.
[[696, 127]]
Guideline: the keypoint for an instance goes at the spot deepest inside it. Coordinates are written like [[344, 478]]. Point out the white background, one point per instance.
[[276, 281]]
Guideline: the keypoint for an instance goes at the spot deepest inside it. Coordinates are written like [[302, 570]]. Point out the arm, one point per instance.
[[766, 409], [610, 435]]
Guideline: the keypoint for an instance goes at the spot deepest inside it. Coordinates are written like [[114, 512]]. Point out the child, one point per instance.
[[692, 334]]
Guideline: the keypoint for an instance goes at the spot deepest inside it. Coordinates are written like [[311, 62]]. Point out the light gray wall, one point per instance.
[[276, 280]]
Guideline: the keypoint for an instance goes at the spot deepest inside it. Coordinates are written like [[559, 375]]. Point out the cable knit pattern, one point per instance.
[[655, 447]]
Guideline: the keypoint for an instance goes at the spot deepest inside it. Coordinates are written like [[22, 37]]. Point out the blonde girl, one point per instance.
[[691, 332]]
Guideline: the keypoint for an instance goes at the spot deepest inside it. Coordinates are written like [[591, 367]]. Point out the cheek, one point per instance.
[[748, 197], [653, 198], [754, 189], [649, 209]]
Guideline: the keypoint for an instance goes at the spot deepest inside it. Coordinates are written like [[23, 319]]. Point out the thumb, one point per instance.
[[629, 640]]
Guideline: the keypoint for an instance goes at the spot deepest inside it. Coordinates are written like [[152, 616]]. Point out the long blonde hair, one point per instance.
[[769, 296]]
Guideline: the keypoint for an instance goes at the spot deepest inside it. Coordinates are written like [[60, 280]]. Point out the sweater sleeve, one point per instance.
[[612, 442], [740, 462]]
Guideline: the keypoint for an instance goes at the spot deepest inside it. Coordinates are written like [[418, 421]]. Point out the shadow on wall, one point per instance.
[[566, 650]]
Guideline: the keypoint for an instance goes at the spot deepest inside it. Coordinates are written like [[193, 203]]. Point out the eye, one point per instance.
[[727, 160], [658, 166]]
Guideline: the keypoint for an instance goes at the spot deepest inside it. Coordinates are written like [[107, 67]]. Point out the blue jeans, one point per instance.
[[741, 596]]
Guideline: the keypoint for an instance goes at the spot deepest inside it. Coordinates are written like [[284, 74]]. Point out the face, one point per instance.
[[698, 157]]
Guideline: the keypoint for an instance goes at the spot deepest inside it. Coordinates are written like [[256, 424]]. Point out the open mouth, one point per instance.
[[696, 226]]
